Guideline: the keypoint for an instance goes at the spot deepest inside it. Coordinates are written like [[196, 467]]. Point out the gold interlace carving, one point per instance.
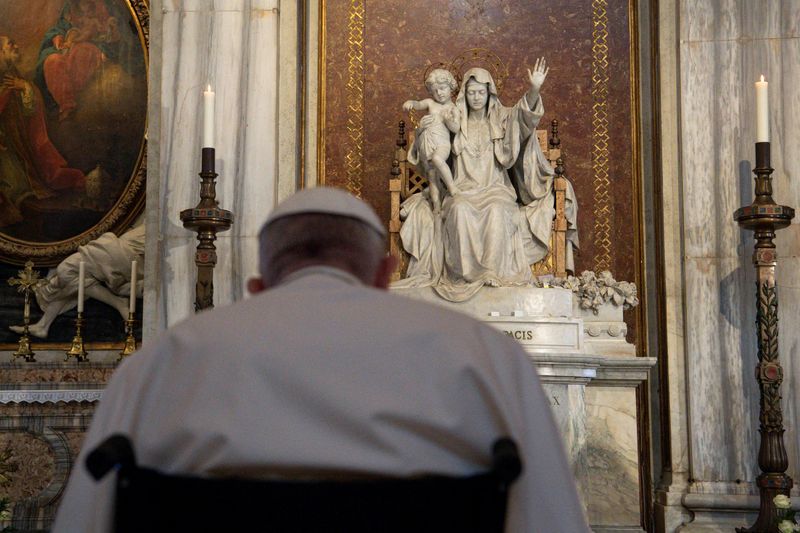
[[603, 207], [354, 156]]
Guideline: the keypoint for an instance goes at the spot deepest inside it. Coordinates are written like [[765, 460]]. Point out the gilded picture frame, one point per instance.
[[73, 122]]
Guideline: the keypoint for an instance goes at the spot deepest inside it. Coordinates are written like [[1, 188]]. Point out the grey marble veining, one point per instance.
[[775, 19], [720, 360], [709, 20], [785, 130], [712, 95], [725, 46], [611, 457], [569, 411], [233, 45], [717, 280]]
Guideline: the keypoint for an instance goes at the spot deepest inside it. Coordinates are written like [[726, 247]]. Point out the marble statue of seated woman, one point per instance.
[[500, 222]]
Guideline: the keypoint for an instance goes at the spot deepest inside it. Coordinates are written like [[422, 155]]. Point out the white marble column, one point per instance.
[[234, 46], [725, 45]]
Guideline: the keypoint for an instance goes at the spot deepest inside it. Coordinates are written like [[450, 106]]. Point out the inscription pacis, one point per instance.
[[520, 334]]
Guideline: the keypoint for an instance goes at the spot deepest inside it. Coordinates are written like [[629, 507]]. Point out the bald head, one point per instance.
[[325, 227]]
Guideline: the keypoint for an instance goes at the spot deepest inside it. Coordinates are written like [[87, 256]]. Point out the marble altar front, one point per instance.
[[592, 378], [45, 409]]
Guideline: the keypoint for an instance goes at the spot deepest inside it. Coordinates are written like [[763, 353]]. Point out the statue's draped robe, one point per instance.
[[501, 222], [107, 261]]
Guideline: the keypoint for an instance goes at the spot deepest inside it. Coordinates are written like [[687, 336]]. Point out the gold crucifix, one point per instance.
[[27, 280]]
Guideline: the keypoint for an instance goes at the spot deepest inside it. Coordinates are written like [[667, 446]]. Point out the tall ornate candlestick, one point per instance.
[[27, 280], [207, 219], [764, 217], [77, 349], [130, 340]]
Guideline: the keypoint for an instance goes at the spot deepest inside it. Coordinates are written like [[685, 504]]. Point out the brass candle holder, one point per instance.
[[77, 349], [764, 217], [130, 340], [28, 279], [24, 349], [207, 219]]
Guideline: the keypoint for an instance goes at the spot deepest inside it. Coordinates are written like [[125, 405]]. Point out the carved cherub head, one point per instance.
[[441, 84]]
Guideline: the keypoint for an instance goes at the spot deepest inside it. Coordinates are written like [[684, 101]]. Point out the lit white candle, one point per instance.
[[208, 118], [81, 283], [762, 111], [132, 306]]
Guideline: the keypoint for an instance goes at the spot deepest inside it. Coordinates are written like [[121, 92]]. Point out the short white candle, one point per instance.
[[132, 306], [208, 118], [81, 282], [27, 313], [762, 111]]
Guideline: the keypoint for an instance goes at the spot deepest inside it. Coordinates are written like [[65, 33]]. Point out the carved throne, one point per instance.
[[406, 181]]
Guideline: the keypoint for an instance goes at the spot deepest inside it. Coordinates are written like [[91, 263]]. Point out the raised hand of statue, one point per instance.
[[538, 75]]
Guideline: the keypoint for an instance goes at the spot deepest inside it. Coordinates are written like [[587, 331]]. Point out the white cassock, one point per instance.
[[322, 374]]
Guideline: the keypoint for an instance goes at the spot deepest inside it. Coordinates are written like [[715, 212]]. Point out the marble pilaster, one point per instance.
[[724, 45], [674, 474], [233, 45]]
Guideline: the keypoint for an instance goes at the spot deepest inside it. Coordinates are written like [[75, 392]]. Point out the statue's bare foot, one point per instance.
[[36, 330]]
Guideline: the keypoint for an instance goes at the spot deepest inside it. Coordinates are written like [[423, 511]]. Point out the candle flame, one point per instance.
[[762, 78], [208, 87]]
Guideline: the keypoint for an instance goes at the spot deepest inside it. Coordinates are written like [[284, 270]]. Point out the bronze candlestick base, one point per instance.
[[27, 280], [24, 349], [77, 349], [130, 340], [207, 219], [764, 217]]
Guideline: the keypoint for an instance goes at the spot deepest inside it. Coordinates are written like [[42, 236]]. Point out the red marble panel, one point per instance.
[[401, 39]]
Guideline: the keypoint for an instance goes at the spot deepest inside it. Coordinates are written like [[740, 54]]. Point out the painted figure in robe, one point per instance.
[[84, 37], [30, 165]]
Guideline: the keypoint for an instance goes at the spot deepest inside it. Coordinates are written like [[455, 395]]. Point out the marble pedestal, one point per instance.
[[591, 376]]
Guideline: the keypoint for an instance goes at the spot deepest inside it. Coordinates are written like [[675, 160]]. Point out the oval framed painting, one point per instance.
[[73, 120]]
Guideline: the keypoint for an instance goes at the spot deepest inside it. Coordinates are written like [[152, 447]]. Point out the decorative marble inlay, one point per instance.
[[34, 461], [603, 206], [23, 376], [355, 97]]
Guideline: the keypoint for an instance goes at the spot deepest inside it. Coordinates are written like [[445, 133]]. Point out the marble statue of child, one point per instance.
[[432, 143]]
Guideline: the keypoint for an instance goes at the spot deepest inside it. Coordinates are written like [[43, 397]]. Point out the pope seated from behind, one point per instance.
[[323, 372]]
